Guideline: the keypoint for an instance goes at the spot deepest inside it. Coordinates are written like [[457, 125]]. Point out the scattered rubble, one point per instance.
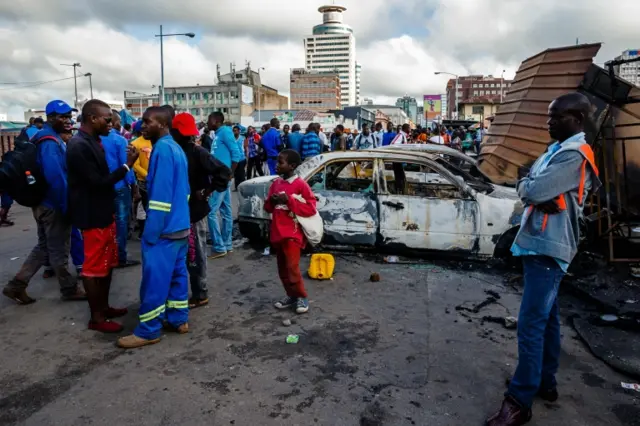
[[510, 323], [375, 277], [286, 322]]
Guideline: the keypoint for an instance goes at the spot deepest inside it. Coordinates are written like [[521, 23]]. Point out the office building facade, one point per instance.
[[314, 90], [332, 48]]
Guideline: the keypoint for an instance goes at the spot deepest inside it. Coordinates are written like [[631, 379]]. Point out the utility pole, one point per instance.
[[75, 79]]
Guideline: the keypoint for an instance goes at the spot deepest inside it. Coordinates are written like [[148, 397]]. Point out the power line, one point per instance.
[[40, 83]]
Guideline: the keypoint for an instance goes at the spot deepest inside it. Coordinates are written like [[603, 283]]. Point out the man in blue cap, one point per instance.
[[54, 228]]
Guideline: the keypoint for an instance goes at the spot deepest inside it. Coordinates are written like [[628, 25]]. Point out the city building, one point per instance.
[[358, 114], [332, 48], [136, 103], [394, 114], [478, 108], [117, 105], [34, 113], [367, 101], [410, 106], [236, 95], [631, 71], [314, 90], [493, 88]]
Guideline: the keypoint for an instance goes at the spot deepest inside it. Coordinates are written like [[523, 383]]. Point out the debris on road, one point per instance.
[[292, 339], [475, 309], [286, 323], [392, 259], [510, 323], [375, 277], [267, 252], [493, 293], [631, 386], [14, 258]]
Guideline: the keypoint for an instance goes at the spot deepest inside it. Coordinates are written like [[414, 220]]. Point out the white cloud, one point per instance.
[[401, 43]]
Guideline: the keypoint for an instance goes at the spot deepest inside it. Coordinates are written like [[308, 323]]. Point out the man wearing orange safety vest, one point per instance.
[[553, 192]]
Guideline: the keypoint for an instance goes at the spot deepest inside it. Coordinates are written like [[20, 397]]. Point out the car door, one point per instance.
[[422, 206], [345, 195]]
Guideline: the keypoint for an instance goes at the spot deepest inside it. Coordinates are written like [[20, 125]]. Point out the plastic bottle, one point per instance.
[[30, 179]]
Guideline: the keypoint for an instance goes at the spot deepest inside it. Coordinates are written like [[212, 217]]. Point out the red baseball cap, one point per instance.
[[185, 124]]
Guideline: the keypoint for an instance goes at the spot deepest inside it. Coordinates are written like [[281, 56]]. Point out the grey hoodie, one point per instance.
[[557, 235]]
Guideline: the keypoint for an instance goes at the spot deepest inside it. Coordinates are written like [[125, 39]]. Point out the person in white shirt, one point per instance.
[[379, 135], [437, 139], [365, 140], [403, 136], [324, 140]]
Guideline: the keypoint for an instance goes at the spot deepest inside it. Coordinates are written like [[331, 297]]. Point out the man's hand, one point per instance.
[[549, 207], [132, 155], [278, 199], [523, 172]]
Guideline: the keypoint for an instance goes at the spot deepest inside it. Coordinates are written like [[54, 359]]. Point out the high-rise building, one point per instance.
[[410, 106], [332, 48], [631, 71], [314, 90]]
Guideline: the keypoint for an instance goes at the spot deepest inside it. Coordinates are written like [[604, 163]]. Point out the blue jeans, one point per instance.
[[538, 329], [220, 202], [123, 213], [77, 248]]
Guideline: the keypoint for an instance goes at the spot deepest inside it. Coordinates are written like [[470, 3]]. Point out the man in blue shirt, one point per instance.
[[54, 228], [389, 136], [272, 143], [115, 150], [38, 124], [226, 150], [295, 139]]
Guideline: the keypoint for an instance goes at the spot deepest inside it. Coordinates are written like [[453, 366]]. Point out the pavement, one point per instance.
[[394, 352]]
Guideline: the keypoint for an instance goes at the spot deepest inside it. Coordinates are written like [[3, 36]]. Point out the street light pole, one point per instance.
[[502, 86], [161, 35], [75, 78], [90, 83], [457, 100]]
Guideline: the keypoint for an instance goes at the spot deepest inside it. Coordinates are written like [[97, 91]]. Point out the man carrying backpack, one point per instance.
[[54, 228]]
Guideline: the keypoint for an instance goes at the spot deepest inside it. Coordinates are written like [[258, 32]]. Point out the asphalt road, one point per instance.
[[396, 352]]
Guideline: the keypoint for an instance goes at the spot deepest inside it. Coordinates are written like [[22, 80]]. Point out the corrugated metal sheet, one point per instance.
[[518, 134]]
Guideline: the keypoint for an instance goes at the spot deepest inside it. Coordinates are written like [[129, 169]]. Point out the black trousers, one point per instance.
[[254, 165], [239, 175]]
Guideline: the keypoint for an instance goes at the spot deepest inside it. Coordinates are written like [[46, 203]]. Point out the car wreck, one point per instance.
[[426, 200]]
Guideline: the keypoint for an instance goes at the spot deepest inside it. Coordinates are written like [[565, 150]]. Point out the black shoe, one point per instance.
[[550, 395], [129, 263]]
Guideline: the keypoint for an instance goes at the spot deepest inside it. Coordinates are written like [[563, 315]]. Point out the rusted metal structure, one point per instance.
[[518, 135]]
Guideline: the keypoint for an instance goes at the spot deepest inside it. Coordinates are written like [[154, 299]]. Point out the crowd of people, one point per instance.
[[96, 173]]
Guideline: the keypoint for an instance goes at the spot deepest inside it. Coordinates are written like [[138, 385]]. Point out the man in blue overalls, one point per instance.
[[164, 291]]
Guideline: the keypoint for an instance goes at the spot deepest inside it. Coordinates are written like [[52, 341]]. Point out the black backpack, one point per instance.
[[13, 173]]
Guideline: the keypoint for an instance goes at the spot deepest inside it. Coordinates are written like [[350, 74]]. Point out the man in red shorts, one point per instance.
[[92, 210]]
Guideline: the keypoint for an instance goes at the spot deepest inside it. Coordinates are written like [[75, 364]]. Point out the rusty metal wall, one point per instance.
[[518, 135], [6, 142]]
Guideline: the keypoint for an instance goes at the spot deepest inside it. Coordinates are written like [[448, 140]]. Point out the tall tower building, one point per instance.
[[332, 49]]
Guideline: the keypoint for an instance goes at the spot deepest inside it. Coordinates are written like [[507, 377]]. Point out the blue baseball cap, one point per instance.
[[59, 107], [137, 126]]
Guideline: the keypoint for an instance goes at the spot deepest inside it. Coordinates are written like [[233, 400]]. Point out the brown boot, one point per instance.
[[132, 341], [181, 329], [511, 414], [18, 295]]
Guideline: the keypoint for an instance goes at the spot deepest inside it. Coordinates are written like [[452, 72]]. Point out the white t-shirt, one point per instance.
[[323, 139], [400, 139], [437, 139]]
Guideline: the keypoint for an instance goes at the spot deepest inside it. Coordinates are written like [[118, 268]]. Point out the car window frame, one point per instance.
[[464, 187], [327, 163]]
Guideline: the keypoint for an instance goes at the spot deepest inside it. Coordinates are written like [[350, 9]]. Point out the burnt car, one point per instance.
[[389, 198]]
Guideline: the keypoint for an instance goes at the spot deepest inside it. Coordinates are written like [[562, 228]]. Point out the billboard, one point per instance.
[[247, 95], [432, 107]]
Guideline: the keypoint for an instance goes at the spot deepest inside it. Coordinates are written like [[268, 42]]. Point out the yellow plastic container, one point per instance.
[[321, 266]]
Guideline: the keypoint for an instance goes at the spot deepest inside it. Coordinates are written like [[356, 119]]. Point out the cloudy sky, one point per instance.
[[400, 43]]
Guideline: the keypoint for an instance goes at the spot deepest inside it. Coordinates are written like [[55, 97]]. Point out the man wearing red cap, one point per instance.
[[164, 291], [206, 175]]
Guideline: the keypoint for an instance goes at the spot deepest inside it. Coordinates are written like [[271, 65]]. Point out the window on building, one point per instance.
[[477, 109], [195, 112], [482, 93], [475, 93], [475, 86]]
